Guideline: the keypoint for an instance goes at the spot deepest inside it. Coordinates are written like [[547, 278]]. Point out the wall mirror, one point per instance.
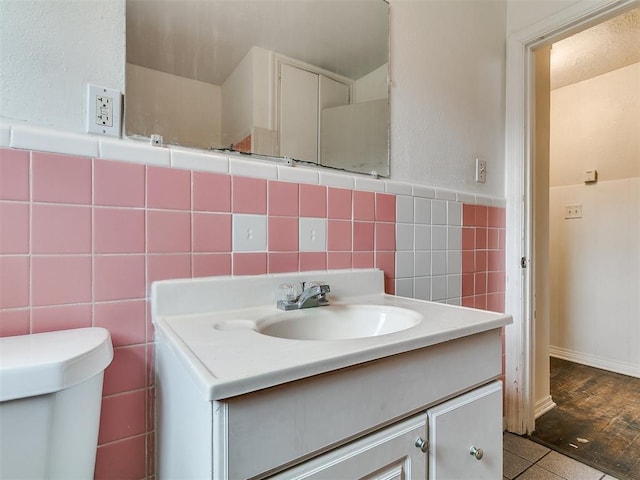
[[303, 79]]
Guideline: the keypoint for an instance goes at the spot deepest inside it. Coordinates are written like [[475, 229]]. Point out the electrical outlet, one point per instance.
[[573, 211], [481, 170], [103, 111]]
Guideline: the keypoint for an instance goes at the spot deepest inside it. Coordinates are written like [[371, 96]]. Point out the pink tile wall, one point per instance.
[[483, 246], [82, 239]]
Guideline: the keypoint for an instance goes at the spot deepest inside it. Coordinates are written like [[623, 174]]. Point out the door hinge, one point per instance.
[[523, 262]]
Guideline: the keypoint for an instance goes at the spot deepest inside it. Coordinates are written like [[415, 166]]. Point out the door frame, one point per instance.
[[519, 140]]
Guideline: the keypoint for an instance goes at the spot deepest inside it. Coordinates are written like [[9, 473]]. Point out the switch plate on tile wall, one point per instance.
[[313, 234], [249, 233]]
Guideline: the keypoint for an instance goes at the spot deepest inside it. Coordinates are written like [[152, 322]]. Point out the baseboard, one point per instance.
[[544, 405], [596, 362]]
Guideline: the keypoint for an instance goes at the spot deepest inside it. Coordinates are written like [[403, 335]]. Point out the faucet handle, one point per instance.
[[322, 286], [289, 292]]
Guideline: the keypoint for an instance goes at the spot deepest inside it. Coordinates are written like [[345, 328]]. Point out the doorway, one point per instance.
[[527, 340], [592, 109]]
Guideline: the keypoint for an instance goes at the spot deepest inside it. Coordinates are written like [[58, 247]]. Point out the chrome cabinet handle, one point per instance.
[[422, 444], [476, 452]]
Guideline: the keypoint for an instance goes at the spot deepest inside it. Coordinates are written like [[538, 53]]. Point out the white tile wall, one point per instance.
[[422, 237], [190, 160], [404, 209], [422, 209], [404, 236], [438, 212], [438, 237]]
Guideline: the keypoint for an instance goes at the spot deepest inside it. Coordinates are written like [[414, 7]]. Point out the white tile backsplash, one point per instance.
[[297, 174], [439, 263], [442, 194], [422, 266], [404, 264], [249, 233], [454, 238], [404, 287], [422, 210], [424, 192], [205, 162], [454, 262], [438, 212], [398, 188], [312, 234], [422, 237], [438, 237], [404, 209], [253, 168], [369, 184], [331, 179], [404, 236], [113, 149], [454, 213], [422, 288], [47, 140], [438, 288], [454, 286]]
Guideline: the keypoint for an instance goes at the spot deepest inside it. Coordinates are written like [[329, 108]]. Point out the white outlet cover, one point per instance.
[[249, 233], [104, 111], [313, 234]]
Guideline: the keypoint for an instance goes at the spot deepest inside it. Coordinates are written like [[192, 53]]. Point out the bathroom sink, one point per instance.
[[338, 322]]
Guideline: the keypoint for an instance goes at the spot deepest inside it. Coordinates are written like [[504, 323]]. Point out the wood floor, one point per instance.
[[596, 420]]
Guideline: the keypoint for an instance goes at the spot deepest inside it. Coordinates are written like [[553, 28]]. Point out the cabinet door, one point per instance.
[[389, 454], [465, 436], [298, 113]]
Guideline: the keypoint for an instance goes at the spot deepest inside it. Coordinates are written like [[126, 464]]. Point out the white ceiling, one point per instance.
[[600, 49], [205, 39]]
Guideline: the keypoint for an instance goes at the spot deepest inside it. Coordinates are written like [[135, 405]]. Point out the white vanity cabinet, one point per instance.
[[350, 423], [390, 454], [233, 403], [464, 443]]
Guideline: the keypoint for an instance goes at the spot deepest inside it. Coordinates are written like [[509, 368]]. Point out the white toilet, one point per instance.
[[50, 397]]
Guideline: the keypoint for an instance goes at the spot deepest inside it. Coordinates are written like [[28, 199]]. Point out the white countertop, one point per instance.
[[227, 357]]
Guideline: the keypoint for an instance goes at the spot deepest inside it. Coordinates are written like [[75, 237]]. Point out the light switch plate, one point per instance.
[[481, 170], [249, 233], [313, 234], [573, 211]]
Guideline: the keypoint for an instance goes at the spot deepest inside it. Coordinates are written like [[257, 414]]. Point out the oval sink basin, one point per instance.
[[338, 322]]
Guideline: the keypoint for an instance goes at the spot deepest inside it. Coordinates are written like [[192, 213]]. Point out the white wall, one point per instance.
[[447, 93], [524, 13], [602, 130], [595, 260], [50, 51], [182, 110], [595, 265]]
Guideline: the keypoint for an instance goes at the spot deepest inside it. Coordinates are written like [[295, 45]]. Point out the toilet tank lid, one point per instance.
[[48, 362]]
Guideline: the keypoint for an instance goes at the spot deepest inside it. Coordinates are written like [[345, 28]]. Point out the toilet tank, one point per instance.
[[50, 398]]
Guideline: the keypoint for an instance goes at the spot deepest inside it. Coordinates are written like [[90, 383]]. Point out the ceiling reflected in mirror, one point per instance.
[[236, 74]]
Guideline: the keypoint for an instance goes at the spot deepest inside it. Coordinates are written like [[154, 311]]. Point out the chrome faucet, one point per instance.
[[313, 296]]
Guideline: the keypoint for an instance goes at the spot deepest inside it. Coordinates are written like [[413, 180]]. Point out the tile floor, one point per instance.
[[527, 460]]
